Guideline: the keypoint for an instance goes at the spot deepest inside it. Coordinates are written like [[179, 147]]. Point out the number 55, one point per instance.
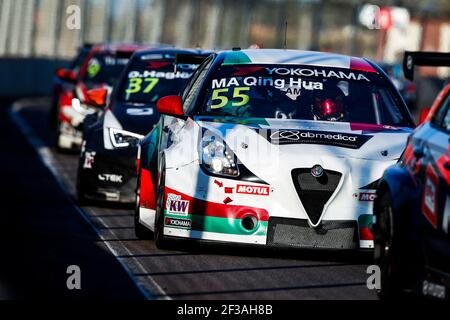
[[237, 94]]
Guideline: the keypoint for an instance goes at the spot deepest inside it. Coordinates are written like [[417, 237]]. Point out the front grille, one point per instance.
[[297, 233], [315, 192]]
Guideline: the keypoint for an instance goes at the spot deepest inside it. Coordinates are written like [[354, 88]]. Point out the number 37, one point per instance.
[[223, 99]]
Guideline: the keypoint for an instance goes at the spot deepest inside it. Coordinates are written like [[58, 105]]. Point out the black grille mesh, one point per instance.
[[315, 192], [297, 233]]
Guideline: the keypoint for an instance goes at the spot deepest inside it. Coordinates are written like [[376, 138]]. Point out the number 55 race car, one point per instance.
[[272, 147]]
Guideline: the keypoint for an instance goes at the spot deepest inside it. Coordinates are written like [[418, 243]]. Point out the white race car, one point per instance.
[[271, 147]]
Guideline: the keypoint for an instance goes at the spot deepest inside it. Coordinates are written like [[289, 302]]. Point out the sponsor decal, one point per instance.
[[367, 196], [180, 223], [317, 73], [175, 205], [159, 74], [113, 61], [281, 84], [345, 140], [89, 158], [253, 190], [140, 111], [110, 178], [430, 194], [94, 67]]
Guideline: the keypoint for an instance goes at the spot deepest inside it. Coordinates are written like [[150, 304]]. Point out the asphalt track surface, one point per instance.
[[45, 231]]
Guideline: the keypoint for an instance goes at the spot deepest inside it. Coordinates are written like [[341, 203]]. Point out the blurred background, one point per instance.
[[34, 35]]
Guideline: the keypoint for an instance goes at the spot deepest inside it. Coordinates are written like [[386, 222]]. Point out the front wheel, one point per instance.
[[80, 189], [384, 251]]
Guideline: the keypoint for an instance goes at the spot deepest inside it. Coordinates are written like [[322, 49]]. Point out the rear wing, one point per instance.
[[422, 58]]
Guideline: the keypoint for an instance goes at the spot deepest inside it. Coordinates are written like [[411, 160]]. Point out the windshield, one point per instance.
[[149, 78], [104, 68], [302, 92]]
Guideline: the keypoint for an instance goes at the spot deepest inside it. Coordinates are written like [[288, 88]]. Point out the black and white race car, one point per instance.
[[272, 147], [107, 165]]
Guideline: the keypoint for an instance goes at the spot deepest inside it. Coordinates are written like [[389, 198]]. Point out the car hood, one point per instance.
[[319, 138]]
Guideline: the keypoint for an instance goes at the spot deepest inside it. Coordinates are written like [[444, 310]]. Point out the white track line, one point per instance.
[[48, 159]]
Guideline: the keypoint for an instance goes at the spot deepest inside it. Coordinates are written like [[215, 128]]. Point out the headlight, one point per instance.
[[121, 138], [216, 157]]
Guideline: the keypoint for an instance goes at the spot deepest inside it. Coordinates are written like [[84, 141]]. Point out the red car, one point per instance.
[[59, 85], [412, 207], [101, 68]]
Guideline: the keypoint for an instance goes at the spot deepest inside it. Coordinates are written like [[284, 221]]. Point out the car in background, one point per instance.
[[61, 84], [412, 207], [101, 68], [277, 148], [107, 164], [406, 87]]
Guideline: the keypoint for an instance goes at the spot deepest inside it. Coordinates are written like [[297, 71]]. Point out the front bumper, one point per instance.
[[214, 209], [109, 175]]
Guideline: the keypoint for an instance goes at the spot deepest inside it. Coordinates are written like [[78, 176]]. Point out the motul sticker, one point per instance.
[[175, 205], [179, 223], [254, 190], [367, 196], [430, 194]]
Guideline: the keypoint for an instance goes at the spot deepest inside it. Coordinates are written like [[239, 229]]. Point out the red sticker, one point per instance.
[[254, 190]]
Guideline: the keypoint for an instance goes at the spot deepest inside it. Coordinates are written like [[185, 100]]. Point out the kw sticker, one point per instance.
[[175, 205]]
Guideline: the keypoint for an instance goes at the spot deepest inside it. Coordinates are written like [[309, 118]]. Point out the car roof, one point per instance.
[[146, 51], [295, 57], [113, 48]]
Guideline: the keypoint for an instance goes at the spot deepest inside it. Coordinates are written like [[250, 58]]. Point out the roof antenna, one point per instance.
[[285, 34]]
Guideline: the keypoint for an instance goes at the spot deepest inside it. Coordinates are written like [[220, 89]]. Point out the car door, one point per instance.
[[435, 199]]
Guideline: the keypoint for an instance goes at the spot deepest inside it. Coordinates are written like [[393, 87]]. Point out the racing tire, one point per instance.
[[385, 251], [80, 192], [140, 230], [160, 242]]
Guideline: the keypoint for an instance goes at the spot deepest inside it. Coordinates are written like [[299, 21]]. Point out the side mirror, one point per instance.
[[170, 105], [424, 114], [97, 97], [66, 75]]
